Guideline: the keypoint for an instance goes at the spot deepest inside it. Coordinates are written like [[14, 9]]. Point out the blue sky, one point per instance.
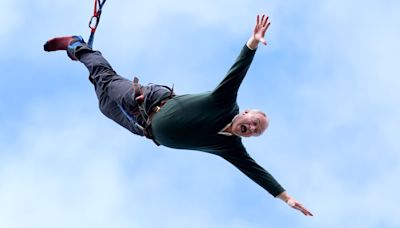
[[328, 79]]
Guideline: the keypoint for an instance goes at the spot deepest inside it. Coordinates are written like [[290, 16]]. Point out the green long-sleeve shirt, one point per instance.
[[193, 121]]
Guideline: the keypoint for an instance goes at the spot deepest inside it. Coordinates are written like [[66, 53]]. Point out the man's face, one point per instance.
[[249, 123]]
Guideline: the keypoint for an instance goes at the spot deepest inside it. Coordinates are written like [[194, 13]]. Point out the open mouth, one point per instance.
[[243, 129]]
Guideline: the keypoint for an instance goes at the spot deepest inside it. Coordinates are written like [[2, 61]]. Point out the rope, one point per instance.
[[95, 19]]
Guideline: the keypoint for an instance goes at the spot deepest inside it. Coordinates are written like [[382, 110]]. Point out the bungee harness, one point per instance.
[[150, 100]]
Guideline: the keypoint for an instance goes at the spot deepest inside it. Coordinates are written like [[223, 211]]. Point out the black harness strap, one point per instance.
[[140, 95]]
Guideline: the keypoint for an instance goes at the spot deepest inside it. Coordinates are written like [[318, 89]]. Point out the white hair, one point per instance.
[[258, 111]]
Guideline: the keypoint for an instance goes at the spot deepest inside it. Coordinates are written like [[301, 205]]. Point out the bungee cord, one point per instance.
[[95, 19]]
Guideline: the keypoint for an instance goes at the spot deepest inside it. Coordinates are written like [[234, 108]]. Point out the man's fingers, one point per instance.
[[303, 210], [267, 25], [300, 207], [265, 21], [264, 30]]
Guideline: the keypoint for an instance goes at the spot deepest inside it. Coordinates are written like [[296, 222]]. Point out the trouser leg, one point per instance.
[[112, 90]]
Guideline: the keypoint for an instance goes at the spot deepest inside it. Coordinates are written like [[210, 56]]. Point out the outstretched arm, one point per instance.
[[238, 157], [227, 90], [259, 31]]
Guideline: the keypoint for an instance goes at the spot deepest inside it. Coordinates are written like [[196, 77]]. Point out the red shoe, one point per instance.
[[65, 43], [58, 43]]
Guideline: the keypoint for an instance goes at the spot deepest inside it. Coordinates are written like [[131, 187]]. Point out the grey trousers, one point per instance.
[[113, 91]]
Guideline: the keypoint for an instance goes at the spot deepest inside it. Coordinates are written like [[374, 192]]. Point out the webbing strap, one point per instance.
[[95, 19], [144, 130], [131, 120]]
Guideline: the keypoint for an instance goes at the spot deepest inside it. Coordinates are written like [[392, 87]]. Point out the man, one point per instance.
[[208, 122]]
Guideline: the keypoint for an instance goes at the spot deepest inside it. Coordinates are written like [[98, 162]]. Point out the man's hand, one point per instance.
[[298, 206], [284, 196], [259, 31]]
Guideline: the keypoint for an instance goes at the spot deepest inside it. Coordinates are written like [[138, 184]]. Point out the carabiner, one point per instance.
[[94, 21]]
